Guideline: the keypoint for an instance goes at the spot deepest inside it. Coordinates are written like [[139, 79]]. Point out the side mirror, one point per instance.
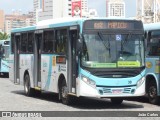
[[79, 45]]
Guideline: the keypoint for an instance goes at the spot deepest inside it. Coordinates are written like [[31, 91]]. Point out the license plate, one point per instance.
[[117, 91]]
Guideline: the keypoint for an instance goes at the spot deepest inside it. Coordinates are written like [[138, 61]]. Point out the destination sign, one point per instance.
[[61, 59], [112, 24], [102, 25]]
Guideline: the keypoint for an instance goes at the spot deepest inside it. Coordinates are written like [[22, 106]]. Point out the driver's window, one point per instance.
[[153, 47]]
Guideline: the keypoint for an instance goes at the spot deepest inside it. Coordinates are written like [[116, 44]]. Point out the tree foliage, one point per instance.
[[3, 36]]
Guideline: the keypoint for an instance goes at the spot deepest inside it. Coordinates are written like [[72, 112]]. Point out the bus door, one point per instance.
[[37, 58], [16, 58], [73, 62]]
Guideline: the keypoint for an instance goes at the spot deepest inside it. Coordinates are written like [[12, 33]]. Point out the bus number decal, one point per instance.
[[98, 25]]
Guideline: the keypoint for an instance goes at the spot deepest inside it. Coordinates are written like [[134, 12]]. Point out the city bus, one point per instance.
[[152, 38], [4, 57], [80, 57]]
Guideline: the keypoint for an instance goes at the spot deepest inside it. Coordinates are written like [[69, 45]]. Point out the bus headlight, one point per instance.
[[88, 81], [140, 82]]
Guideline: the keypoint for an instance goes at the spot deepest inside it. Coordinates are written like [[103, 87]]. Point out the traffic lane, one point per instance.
[[13, 98], [14, 95], [83, 103]]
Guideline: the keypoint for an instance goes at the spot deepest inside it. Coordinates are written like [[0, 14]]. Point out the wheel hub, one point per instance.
[[64, 92], [26, 87], [152, 92]]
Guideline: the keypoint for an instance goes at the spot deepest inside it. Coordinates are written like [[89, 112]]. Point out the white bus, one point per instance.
[[152, 42], [101, 58]]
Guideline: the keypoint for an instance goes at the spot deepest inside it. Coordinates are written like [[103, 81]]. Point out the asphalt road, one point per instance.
[[12, 98]]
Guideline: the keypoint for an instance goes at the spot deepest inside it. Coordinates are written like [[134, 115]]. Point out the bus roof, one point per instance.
[[64, 20], [152, 26], [58, 22]]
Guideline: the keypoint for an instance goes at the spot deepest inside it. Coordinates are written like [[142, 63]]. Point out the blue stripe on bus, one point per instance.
[[24, 29], [63, 24], [49, 74], [112, 81]]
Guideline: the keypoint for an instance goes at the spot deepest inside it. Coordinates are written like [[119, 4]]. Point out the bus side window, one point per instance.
[[30, 42], [153, 44], [48, 41], [24, 42], [12, 43], [61, 38], [145, 39]]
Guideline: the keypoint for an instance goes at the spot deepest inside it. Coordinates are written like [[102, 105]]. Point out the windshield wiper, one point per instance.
[[102, 39], [125, 41]]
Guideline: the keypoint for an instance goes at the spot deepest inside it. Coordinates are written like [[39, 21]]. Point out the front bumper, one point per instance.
[[83, 89]]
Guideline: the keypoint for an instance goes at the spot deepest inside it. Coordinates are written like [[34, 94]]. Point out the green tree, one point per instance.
[[3, 36]]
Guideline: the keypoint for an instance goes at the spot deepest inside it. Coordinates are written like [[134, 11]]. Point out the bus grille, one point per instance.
[[115, 74], [109, 90]]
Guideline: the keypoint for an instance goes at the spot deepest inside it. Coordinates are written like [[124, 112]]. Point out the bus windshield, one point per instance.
[[101, 50], [6, 52]]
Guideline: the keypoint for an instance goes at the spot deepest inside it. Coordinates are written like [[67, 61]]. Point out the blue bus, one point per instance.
[[152, 36], [74, 57], [4, 57]]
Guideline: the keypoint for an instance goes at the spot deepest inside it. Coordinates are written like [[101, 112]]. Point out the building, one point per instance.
[[107, 8], [92, 13], [115, 8], [1, 21], [18, 20], [35, 9], [148, 11], [84, 8], [50, 9]]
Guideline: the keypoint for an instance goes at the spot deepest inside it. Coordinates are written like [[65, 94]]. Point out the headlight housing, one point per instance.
[[88, 81], [140, 82]]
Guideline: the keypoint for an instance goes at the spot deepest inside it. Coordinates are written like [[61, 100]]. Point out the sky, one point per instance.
[[9, 5], [27, 5], [100, 5]]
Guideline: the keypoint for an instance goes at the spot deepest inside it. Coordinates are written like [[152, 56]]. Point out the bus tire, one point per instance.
[[65, 98], [152, 93], [116, 101], [27, 88]]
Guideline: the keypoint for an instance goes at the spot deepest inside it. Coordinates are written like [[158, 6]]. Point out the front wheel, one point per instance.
[[152, 93], [117, 101], [66, 99], [27, 88]]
